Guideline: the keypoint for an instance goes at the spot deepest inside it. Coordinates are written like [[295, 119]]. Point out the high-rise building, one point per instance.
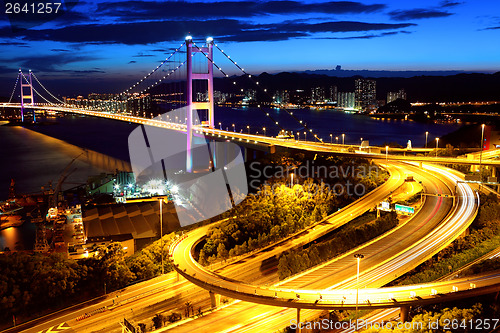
[[366, 93], [346, 100], [394, 95], [281, 97], [333, 94], [318, 95]]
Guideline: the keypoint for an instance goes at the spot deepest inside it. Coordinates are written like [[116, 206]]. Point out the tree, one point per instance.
[[222, 252], [158, 321]]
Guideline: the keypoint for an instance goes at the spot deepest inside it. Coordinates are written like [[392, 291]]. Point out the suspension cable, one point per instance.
[[14, 90], [40, 83], [224, 73], [303, 124], [153, 71], [24, 77]]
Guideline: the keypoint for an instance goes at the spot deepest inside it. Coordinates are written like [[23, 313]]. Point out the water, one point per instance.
[[326, 122], [34, 159], [39, 154]]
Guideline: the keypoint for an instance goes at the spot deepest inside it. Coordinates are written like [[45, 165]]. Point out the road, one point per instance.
[[264, 142], [258, 268], [378, 268]]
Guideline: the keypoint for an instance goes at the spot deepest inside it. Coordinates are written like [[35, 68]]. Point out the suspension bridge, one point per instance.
[[180, 82], [185, 79]]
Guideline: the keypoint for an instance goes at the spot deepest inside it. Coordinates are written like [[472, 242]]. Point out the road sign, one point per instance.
[[385, 206], [130, 328], [404, 209], [473, 178]]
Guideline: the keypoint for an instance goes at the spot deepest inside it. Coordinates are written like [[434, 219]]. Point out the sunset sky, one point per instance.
[[107, 45]]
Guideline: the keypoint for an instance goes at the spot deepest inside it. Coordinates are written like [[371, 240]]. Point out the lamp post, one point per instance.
[[161, 234], [331, 138], [386, 152], [305, 136], [291, 182], [298, 136], [343, 136], [337, 139], [234, 128], [481, 153], [248, 129], [358, 257], [264, 129], [220, 126], [426, 136], [437, 145]]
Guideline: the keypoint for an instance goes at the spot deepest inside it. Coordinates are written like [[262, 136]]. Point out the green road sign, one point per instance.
[[404, 209]]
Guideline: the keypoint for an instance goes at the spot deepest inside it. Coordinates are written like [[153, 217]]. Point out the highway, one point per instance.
[[394, 262], [264, 142], [255, 269], [442, 223]]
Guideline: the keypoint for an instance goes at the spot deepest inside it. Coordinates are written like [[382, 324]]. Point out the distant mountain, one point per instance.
[[382, 73]]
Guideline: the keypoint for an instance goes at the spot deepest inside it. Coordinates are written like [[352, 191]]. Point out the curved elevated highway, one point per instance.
[[331, 285]]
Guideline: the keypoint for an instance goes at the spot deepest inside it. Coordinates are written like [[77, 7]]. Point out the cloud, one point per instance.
[[340, 26], [153, 10], [448, 4], [370, 36], [417, 14], [143, 55], [492, 28], [60, 50], [50, 63], [132, 62], [221, 29], [13, 44]]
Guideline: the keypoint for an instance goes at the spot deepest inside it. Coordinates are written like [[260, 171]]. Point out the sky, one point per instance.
[[105, 46]]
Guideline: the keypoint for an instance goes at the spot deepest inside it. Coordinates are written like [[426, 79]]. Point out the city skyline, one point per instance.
[[123, 40]]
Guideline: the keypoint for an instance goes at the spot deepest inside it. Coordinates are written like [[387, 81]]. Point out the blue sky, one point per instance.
[[107, 45]]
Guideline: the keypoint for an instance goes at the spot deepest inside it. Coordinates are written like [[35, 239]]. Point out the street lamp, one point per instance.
[[358, 257], [337, 139], [220, 126], [437, 145], [386, 152], [343, 136], [161, 234], [426, 136], [481, 151], [305, 136], [291, 183], [248, 129], [234, 128], [298, 136], [264, 131], [331, 138]]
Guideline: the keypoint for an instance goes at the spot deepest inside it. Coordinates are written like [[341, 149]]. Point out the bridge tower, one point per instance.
[[207, 105], [28, 96]]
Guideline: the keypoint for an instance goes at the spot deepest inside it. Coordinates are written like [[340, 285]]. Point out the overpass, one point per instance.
[[454, 223], [342, 296]]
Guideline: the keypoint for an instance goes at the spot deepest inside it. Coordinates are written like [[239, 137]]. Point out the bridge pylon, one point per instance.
[[26, 98], [207, 50]]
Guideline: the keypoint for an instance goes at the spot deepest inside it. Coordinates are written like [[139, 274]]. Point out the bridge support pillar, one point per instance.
[[250, 154], [420, 165], [214, 299], [298, 320], [404, 312], [246, 153]]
